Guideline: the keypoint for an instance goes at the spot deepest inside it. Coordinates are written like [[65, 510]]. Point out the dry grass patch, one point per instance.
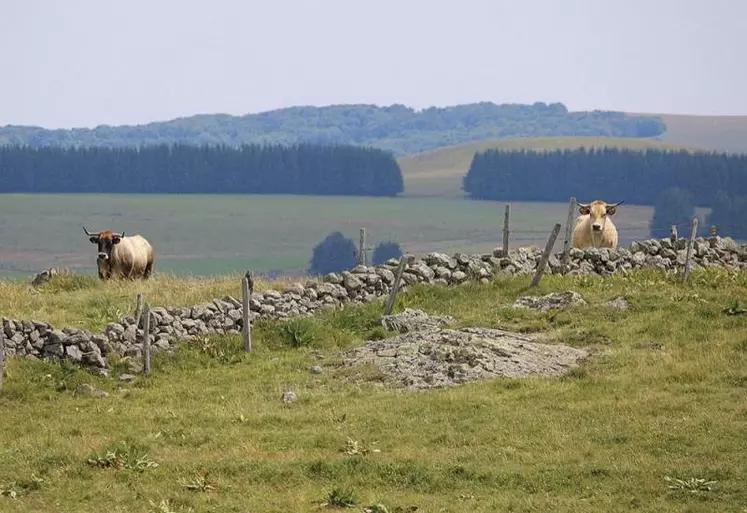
[[85, 301]]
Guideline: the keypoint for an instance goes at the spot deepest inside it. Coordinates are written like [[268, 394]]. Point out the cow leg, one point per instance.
[[148, 270]]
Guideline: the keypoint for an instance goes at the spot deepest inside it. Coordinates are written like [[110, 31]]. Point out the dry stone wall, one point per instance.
[[170, 325]]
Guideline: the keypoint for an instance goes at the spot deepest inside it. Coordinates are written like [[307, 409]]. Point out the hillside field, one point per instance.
[[718, 133], [209, 235], [661, 397], [438, 173]]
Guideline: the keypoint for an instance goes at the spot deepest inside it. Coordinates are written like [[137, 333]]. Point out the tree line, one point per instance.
[[396, 128], [610, 174], [674, 182], [247, 169]]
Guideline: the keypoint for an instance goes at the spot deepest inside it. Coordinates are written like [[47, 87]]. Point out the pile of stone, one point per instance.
[[443, 357], [363, 284]]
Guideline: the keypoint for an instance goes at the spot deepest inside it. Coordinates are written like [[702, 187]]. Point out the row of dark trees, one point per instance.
[[676, 206], [248, 169], [337, 253], [638, 177]]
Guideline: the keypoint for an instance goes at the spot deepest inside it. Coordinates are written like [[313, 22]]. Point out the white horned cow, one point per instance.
[[594, 227], [122, 257]]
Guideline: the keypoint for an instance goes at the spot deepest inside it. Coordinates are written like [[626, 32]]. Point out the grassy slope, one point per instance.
[[439, 172], [663, 395], [719, 133]]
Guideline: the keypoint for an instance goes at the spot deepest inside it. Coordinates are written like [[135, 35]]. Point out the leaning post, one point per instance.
[[146, 339], [568, 230], [247, 286], [690, 245], [545, 256], [362, 247], [395, 286]]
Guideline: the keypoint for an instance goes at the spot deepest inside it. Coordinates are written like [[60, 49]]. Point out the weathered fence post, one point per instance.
[[545, 256], [362, 248], [2, 360], [568, 230], [712, 239], [138, 309], [690, 250], [395, 286], [146, 340], [247, 287], [506, 217], [673, 234]]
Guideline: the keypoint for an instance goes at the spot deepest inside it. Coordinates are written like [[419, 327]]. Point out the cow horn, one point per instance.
[[616, 204], [90, 234], [583, 205], [120, 235]]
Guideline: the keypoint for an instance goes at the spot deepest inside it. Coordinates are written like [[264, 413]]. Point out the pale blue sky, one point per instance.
[[75, 63]]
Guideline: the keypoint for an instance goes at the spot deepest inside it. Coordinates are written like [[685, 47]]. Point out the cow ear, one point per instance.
[[94, 240], [611, 211], [116, 240], [584, 210]]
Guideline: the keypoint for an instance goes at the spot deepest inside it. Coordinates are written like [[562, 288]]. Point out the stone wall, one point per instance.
[[169, 325]]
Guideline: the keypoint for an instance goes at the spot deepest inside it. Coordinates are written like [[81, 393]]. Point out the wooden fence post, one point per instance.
[[712, 239], [247, 287], [138, 309], [362, 248], [506, 219], [545, 255], [146, 340], [690, 250], [395, 286], [568, 230], [2, 359], [673, 234]]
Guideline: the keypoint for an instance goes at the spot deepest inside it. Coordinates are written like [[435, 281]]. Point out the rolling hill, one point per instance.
[[439, 172], [719, 133], [396, 128]]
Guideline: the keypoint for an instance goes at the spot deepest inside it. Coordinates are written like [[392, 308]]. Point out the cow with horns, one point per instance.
[[122, 257], [594, 227]]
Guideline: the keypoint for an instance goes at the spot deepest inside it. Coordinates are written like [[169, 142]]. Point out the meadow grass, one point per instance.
[[661, 396], [212, 235]]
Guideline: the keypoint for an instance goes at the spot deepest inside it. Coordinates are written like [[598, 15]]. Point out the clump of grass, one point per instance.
[[198, 482], [122, 456], [690, 485], [340, 498], [357, 448]]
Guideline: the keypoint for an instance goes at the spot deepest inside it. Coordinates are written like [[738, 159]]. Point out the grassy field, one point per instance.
[[719, 133], [438, 173], [212, 235], [662, 396]]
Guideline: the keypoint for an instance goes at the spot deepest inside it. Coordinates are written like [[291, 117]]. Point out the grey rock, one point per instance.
[[87, 390], [290, 397]]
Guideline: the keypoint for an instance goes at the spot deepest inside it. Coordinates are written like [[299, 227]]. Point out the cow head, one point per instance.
[[105, 240], [598, 212]]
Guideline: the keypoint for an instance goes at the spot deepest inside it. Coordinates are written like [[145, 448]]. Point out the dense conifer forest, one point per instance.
[[248, 169]]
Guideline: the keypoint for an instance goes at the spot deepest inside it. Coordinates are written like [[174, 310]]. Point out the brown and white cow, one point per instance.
[[594, 227], [122, 257]]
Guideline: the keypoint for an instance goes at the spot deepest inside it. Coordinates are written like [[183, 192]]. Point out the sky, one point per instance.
[[83, 63]]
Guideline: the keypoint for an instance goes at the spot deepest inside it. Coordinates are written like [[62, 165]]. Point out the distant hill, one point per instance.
[[397, 128], [439, 172], [720, 133]]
